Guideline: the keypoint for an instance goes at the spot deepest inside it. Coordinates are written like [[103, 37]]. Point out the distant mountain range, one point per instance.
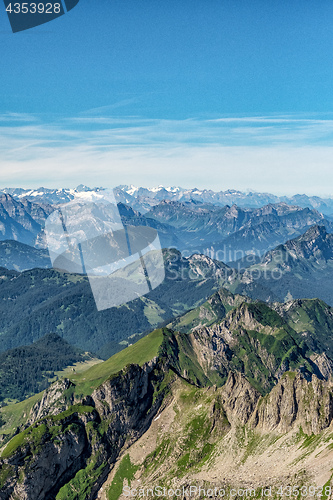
[[292, 249], [224, 233], [22, 220], [142, 199], [151, 196], [46, 195]]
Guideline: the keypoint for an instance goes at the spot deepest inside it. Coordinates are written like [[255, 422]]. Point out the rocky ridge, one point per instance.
[[250, 374], [300, 268]]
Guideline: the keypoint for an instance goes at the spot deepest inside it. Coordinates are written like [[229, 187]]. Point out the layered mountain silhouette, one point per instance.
[[41, 301], [227, 233], [301, 267], [224, 233]]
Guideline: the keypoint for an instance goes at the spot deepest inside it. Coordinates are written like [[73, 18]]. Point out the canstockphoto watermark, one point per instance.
[[188, 492], [24, 14], [277, 491], [87, 236], [163, 492]]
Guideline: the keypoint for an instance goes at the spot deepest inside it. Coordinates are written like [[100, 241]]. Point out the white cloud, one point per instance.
[[287, 156]]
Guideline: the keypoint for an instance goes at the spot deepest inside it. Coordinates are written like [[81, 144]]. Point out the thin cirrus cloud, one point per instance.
[[280, 154]]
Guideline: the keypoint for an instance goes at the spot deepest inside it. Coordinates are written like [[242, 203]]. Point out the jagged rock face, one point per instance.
[[101, 426], [245, 341], [316, 242], [324, 364], [212, 311], [245, 317], [294, 401], [243, 455], [202, 266], [124, 402], [54, 463], [123, 405], [239, 398], [53, 401], [127, 398]]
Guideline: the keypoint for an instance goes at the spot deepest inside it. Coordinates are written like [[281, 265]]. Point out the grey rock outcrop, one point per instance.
[[239, 398], [295, 402], [123, 405]]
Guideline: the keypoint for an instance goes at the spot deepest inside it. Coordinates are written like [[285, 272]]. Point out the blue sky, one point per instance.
[[160, 92]]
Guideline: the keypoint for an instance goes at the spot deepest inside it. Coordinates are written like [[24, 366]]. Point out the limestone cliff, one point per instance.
[[58, 444]]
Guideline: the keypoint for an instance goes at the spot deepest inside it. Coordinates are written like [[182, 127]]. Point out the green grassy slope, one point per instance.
[[144, 350], [314, 319], [139, 353], [16, 414]]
